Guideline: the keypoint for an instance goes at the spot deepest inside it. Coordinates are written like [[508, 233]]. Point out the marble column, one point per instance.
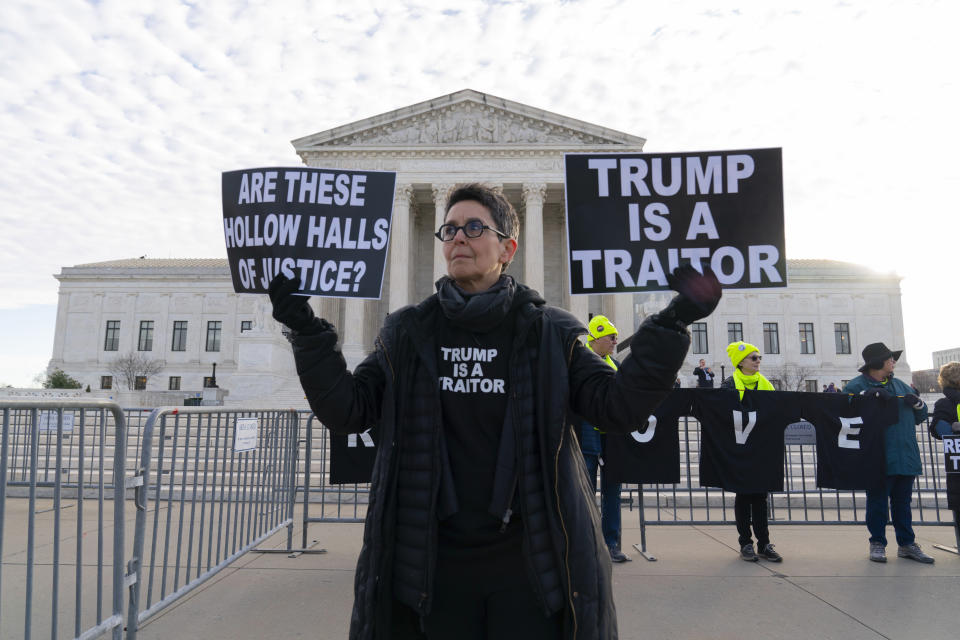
[[353, 323], [623, 313], [577, 305], [400, 245], [533, 197], [440, 193]]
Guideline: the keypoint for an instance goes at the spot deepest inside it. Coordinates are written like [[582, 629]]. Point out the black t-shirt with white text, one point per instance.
[[473, 378]]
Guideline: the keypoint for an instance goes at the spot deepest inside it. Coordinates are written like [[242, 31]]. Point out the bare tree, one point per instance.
[[926, 380], [790, 377], [132, 365]]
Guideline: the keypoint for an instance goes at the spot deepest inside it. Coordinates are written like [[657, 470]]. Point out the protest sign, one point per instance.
[[329, 228], [951, 467], [633, 218]]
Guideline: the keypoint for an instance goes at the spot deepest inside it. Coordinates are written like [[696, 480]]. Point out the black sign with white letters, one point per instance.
[[328, 228], [633, 218]]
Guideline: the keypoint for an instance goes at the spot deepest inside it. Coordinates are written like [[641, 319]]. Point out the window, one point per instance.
[[841, 335], [106, 382], [213, 335], [145, 343], [246, 325], [771, 338], [140, 383], [844, 383], [734, 332], [179, 336], [112, 340], [174, 383], [699, 330], [208, 382], [810, 385], [806, 338]]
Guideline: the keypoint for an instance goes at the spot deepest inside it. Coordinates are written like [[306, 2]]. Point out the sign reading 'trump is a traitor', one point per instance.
[[329, 228], [633, 218]]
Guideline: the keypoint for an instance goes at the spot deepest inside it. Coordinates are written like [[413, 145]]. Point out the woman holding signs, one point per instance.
[[481, 522]]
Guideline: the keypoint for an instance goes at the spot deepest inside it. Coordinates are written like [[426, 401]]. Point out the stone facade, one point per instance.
[[941, 358], [433, 146]]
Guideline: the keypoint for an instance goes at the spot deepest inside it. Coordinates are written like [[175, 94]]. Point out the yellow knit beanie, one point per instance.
[[740, 350]]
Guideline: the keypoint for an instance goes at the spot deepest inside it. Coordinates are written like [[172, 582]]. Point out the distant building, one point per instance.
[[941, 358], [185, 314], [810, 333]]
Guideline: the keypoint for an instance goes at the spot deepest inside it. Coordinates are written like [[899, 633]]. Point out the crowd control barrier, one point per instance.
[[801, 501], [67, 458], [683, 503], [213, 484]]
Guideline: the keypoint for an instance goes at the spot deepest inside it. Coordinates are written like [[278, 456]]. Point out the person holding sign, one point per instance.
[[903, 455], [946, 410], [481, 522], [750, 507], [602, 339]]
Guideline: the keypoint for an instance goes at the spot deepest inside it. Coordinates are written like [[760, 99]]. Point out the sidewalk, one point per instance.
[[698, 588]]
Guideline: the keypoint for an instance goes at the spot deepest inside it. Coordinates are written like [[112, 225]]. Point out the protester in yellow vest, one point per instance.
[[750, 507], [602, 339]]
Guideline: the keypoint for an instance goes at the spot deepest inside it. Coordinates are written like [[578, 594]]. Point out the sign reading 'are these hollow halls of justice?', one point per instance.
[[327, 228]]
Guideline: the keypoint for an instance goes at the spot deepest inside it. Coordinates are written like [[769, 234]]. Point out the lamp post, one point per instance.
[[213, 377]]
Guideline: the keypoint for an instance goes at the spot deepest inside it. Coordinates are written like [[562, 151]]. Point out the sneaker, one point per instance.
[[746, 553], [619, 556], [878, 552], [914, 552], [767, 552]]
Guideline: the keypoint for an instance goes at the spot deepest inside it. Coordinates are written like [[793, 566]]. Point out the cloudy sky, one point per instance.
[[116, 118]]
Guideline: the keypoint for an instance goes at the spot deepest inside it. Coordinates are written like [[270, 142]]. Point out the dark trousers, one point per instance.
[[898, 491], [752, 508], [461, 611], [593, 444]]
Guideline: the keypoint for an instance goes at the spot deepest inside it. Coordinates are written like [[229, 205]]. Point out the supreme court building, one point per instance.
[[184, 313]]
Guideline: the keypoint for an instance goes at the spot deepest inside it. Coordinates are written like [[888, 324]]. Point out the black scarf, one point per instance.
[[476, 311]]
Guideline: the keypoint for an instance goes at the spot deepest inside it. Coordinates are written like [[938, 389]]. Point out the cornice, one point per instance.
[[466, 118]]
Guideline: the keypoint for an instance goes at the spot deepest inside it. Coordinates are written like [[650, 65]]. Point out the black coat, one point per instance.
[[395, 390], [945, 409]]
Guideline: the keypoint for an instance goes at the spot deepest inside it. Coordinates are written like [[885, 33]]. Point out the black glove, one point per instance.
[[292, 310], [875, 392], [698, 294], [913, 400]]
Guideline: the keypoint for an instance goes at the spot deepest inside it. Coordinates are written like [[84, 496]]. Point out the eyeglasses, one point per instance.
[[755, 358], [472, 229]]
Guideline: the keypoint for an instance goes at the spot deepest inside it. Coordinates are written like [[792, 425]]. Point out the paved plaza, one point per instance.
[[697, 588]]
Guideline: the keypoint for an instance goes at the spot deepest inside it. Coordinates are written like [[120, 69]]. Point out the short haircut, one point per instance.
[[949, 376], [504, 215], [502, 212]]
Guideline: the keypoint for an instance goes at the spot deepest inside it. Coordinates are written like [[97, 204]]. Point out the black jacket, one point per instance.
[[395, 390], [945, 409], [704, 379]]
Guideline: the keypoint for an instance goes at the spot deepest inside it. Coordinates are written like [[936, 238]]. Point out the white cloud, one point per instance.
[[116, 118]]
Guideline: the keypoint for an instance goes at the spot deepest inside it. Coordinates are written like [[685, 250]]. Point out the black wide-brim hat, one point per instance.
[[875, 354]]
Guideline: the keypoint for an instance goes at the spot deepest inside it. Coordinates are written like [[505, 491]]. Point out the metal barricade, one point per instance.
[[349, 500], [61, 454], [801, 502], [686, 502], [206, 497]]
